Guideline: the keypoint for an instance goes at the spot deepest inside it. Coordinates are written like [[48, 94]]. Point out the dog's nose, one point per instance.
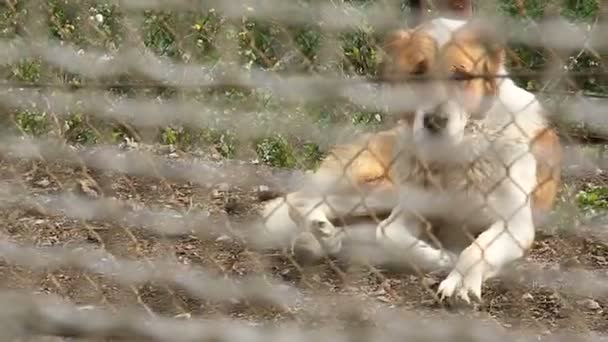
[[435, 122]]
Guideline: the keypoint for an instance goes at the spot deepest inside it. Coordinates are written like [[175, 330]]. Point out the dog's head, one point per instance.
[[466, 86], [412, 53]]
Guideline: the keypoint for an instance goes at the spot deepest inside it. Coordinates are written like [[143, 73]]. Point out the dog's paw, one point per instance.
[[457, 286]]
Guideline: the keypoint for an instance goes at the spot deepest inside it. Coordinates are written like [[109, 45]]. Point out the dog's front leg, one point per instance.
[[504, 242], [314, 215], [317, 236], [507, 239], [399, 236]]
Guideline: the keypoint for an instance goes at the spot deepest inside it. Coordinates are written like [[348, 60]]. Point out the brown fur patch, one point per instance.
[[406, 53], [366, 162], [466, 59], [548, 152]]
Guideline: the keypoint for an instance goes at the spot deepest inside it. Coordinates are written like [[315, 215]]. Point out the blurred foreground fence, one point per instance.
[[139, 138]]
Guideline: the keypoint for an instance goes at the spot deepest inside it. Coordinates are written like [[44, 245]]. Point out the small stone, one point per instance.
[[589, 304], [379, 292], [527, 296], [384, 299], [223, 238], [43, 183], [216, 194], [86, 307]]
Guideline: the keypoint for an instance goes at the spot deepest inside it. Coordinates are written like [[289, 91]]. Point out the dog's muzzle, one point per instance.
[[435, 122]]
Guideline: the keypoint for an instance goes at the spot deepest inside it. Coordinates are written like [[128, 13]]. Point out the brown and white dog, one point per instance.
[[480, 155]]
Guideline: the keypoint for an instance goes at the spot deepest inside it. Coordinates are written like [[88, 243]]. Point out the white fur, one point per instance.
[[486, 185], [497, 209], [439, 146], [442, 28], [525, 111]]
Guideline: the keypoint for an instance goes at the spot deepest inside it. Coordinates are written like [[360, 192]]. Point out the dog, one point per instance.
[[512, 118]]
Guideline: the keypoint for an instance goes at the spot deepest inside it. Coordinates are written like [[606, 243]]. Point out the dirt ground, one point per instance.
[[523, 304]]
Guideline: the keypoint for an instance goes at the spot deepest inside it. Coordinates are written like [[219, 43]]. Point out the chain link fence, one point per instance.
[[149, 146]]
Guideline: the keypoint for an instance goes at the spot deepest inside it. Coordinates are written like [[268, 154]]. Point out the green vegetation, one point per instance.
[[199, 37], [592, 198]]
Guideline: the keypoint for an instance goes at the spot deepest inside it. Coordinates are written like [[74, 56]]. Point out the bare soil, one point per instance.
[[524, 304]]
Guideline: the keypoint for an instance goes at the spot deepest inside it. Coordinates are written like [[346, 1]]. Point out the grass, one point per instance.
[[193, 37], [593, 198]]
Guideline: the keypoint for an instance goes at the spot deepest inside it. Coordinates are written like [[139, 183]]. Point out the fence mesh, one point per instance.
[[149, 147]]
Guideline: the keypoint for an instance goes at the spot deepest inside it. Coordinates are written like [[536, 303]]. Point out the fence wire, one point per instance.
[[265, 170]]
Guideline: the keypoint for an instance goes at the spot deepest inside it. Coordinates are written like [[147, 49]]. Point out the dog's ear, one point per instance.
[[407, 52]]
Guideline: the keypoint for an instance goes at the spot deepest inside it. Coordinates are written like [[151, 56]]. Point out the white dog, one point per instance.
[[475, 157]]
